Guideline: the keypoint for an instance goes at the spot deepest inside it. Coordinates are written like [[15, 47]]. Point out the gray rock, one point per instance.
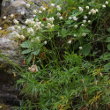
[[10, 48], [12, 6]]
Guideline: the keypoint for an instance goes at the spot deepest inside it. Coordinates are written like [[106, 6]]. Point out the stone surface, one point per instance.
[[19, 6], [9, 47]]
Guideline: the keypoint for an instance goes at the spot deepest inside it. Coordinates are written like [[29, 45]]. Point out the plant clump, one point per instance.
[[66, 48]]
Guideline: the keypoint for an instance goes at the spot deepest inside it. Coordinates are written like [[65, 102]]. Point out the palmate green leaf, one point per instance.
[[108, 46], [107, 67], [29, 59], [108, 39], [26, 51], [26, 44], [36, 52], [105, 56], [108, 30], [64, 32], [86, 49], [76, 13]]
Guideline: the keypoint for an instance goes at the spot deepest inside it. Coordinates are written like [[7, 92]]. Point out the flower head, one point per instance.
[[33, 68], [58, 7], [16, 21], [28, 5], [81, 9]]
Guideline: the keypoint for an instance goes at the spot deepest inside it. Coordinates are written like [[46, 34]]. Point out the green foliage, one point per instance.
[[70, 44]]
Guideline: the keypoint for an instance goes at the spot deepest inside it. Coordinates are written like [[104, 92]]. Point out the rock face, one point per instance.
[[19, 6], [12, 6], [9, 48], [0, 6]]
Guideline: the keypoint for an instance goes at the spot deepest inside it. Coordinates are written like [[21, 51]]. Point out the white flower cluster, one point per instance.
[[50, 26], [73, 18], [30, 21], [51, 19], [59, 15], [16, 21], [58, 7], [38, 25], [93, 11], [43, 8], [17, 35], [105, 5]]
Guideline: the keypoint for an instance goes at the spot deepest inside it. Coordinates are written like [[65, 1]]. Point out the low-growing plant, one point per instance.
[[66, 45]]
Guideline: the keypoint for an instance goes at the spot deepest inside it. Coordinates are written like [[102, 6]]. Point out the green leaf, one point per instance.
[[69, 22], [28, 60], [64, 32], [26, 51], [76, 13], [108, 39], [26, 44], [107, 67], [86, 49], [36, 52], [105, 56], [108, 46], [108, 29]]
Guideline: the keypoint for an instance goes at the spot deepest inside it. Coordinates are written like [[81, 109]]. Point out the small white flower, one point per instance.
[[58, 7], [23, 27], [52, 4], [50, 25], [87, 7], [75, 26], [0, 28], [15, 34], [106, 2], [12, 15], [75, 18], [81, 9], [23, 12], [51, 19], [89, 21], [60, 17], [58, 14], [70, 18], [89, 12], [39, 11], [84, 21], [43, 8], [104, 6], [80, 48], [28, 5], [34, 15], [97, 10], [30, 30], [93, 11], [4, 17], [22, 37], [70, 41], [16, 21], [84, 34], [45, 42], [75, 35], [18, 27], [85, 17], [30, 21], [34, 11], [82, 25]]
